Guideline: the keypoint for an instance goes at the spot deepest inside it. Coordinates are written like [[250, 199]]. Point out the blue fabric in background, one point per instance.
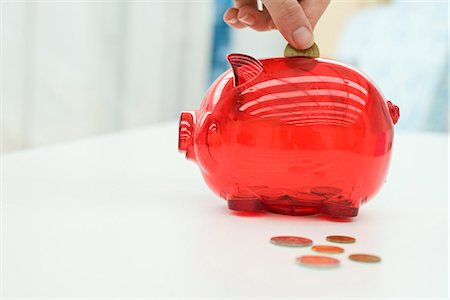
[[221, 40]]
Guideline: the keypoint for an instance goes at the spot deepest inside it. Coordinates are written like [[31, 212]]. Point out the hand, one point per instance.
[[294, 19]]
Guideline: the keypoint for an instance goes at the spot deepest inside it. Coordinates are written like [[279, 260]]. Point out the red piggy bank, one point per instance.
[[291, 135]]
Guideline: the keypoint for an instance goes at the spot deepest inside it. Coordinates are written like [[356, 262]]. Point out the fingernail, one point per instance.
[[303, 38], [247, 20], [232, 21]]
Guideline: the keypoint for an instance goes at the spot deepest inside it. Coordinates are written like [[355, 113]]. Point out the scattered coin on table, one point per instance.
[[341, 239], [317, 261], [291, 241], [365, 258], [327, 249]]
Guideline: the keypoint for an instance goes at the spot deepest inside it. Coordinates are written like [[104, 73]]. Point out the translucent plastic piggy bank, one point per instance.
[[295, 136]]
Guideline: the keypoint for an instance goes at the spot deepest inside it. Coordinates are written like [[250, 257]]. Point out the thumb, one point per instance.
[[291, 21]]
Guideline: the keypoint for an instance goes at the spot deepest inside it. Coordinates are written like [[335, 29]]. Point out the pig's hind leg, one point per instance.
[[245, 205]]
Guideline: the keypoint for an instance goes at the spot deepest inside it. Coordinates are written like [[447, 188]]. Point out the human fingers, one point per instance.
[[230, 17], [314, 9], [292, 22], [255, 19]]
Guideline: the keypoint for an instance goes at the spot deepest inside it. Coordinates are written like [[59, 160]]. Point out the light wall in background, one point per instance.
[[72, 69]]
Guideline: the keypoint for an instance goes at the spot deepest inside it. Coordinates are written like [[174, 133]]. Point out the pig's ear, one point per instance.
[[245, 68]]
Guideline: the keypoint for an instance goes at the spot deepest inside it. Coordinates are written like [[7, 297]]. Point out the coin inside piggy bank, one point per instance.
[[291, 135]]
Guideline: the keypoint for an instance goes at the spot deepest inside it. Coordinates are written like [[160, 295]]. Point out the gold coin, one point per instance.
[[366, 258], [327, 249], [312, 51], [317, 261], [341, 239], [271, 194], [307, 198], [291, 241], [326, 190]]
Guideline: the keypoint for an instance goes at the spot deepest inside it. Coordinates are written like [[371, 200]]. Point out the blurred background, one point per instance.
[[72, 69]]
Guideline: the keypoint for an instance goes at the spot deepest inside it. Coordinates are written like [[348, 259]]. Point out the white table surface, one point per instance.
[[126, 216]]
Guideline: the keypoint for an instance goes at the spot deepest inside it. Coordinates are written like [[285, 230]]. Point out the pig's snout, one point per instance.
[[186, 134]]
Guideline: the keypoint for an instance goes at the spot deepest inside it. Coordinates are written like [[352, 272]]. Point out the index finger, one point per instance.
[[292, 22]]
